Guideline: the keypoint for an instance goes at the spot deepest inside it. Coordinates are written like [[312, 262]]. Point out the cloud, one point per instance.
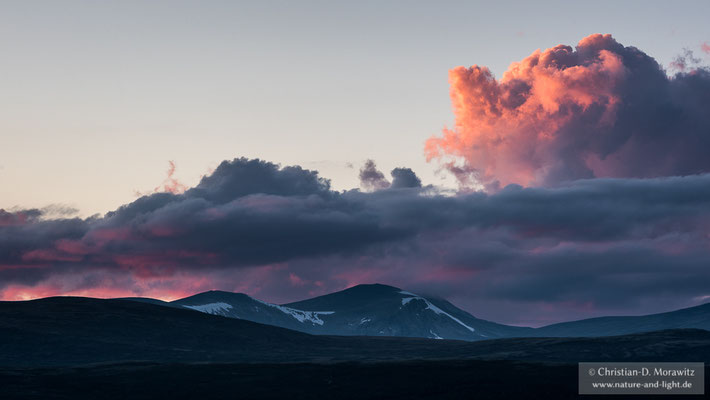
[[596, 201], [705, 47], [578, 249], [170, 184], [404, 178], [241, 177], [685, 62], [371, 178], [598, 110], [21, 217]]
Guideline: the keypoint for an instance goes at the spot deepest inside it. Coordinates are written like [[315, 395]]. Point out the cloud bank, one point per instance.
[[598, 110], [281, 233]]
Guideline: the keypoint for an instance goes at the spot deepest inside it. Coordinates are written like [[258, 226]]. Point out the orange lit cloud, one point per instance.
[[566, 113]]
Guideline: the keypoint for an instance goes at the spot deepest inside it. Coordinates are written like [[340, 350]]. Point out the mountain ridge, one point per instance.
[[361, 310], [356, 304], [384, 310]]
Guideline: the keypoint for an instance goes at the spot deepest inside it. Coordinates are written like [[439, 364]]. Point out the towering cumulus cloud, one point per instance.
[[598, 110]]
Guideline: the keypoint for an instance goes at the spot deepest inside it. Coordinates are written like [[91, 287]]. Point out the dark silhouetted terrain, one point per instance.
[[67, 347]]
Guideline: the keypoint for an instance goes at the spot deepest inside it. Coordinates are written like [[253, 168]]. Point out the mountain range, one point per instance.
[[381, 310], [86, 348]]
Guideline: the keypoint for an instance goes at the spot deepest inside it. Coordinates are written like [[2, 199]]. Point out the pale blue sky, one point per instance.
[[96, 97]]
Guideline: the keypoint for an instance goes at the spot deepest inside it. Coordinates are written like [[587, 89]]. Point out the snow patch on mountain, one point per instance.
[[212, 308], [433, 308], [300, 316]]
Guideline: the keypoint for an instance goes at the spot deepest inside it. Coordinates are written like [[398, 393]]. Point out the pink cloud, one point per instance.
[[170, 184], [567, 113]]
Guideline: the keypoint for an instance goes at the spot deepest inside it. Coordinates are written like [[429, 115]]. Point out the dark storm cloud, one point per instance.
[[268, 214], [620, 275], [23, 258], [404, 178], [241, 177]]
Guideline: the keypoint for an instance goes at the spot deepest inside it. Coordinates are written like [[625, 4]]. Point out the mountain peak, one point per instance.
[[373, 286], [212, 296], [216, 291], [357, 296]]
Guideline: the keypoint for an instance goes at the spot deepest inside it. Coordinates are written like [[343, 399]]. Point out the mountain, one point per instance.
[[242, 306], [697, 317], [363, 310], [381, 310], [145, 300]]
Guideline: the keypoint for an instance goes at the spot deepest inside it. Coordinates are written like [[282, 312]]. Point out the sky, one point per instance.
[[532, 163]]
